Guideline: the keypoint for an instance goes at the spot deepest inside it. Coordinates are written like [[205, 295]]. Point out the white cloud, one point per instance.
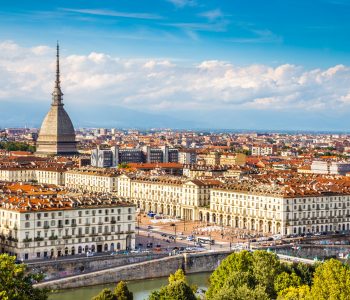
[[212, 15], [183, 3], [158, 84], [113, 13]]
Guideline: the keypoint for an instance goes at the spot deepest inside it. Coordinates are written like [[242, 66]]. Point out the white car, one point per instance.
[[190, 238], [89, 253]]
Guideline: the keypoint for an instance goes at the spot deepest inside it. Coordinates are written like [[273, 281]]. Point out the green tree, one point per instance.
[[235, 263], [266, 267], [243, 292], [177, 289], [286, 280], [105, 294], [179, 275], [296, 293], [17, 283], [123, 165], [244, 268], [331, 281], [305, 272], [16, 146], [122, 292]]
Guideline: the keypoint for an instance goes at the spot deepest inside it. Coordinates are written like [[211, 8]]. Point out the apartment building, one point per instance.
[[236, 159], [92, 180], [283, 209], [166, 194], [47, 175], [114, 156], [187, 157], [38, 224], [263, 150], [330, 167]]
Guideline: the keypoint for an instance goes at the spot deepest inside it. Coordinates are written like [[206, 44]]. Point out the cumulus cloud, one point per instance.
[[158, 84]]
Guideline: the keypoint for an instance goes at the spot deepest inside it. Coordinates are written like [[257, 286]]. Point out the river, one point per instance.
[[140, 288]]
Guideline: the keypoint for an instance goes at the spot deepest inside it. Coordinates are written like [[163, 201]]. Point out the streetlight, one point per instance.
[[138, 223], [174, 225]]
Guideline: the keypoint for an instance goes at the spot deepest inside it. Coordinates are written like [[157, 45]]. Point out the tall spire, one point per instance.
[[57, 93]]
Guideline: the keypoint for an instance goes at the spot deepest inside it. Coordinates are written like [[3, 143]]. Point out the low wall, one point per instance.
[[55, 269], [190, 263]]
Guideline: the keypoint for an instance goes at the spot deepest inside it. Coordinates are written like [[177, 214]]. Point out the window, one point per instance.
[[27, 225], [27, 216]]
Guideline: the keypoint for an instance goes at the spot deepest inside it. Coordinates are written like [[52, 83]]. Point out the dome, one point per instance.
[[57, 126], [57, 135]]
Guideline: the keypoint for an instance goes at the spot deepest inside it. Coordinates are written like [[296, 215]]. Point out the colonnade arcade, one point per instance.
[[241, 222]]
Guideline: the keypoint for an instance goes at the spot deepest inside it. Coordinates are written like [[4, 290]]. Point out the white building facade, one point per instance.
[[42, 228]]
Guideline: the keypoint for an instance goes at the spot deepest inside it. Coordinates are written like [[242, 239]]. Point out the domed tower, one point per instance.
[[57, 135]]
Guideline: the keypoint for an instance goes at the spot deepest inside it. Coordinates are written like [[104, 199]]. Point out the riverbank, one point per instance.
[[189, 262]]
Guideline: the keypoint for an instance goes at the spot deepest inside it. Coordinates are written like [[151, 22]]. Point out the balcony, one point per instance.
[[74, 224], [27, 240], [53, 237], [113, 221], [46, 226], [66, 237], [60, 225], [38, 239]]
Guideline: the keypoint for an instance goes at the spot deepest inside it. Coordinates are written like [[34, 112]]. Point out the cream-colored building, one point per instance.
[[283, 210], [200, 171], [168, 195], [90, 180], [211, 158], [237, 159], [36, 227], [54, 176]]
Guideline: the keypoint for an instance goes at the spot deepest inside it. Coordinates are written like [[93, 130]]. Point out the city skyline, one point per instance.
[[179, 64]]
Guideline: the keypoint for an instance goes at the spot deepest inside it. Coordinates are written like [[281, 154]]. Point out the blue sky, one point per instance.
[[295, 53]]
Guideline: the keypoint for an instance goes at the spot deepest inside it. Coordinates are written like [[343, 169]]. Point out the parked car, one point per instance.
[[136, 251], [89, 253], [190, 238]]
